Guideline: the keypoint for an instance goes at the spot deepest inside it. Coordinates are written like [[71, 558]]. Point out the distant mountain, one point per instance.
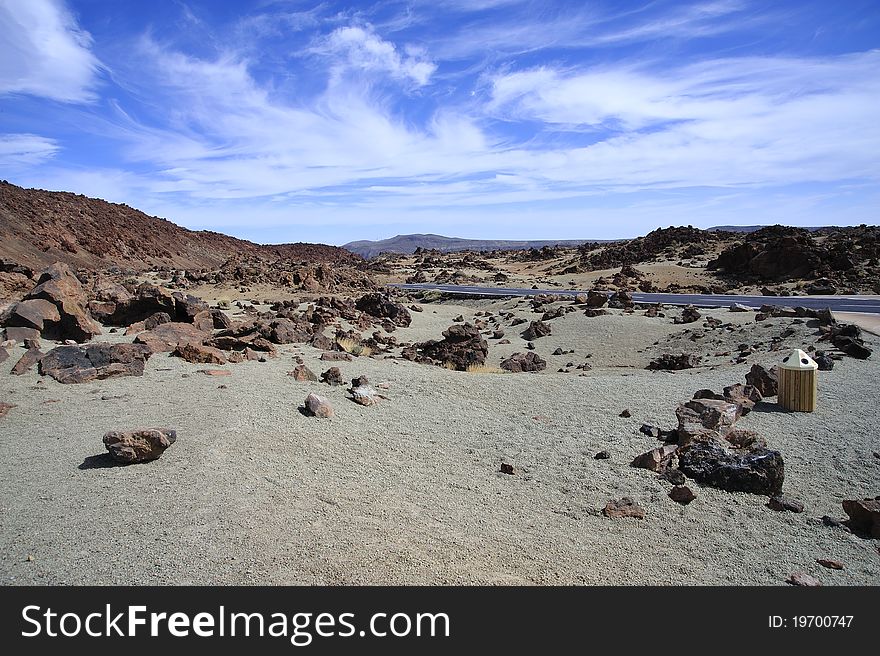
[[40, 227], [407, 244]]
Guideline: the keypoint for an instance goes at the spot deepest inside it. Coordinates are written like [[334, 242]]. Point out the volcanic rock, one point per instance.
[[803, 580], [669, 362], [760, 471], [688, 315], [303, 374], [156, 319], [168, 336], [318, 406], [655, 460], [5, 408], [536, 330], [80, 364], [864, 515], [462, 346], [519, 362], [781, 503], [333, 376], [596, 299], [35, 313], [766, 382], [623, 507], [199, 354], [745, 396], [28, 360], [139, 446], [682, 494], [364, 395], [60, 287], [379, 305]]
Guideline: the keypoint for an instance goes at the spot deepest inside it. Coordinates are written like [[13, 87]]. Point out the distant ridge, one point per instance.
[[407, 244], [39, 227]]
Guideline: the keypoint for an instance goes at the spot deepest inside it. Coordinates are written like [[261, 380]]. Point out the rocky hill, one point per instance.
[[408, 244], [41, 227]]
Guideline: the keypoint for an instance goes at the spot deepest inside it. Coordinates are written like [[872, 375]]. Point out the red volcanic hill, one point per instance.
[[40, 227]]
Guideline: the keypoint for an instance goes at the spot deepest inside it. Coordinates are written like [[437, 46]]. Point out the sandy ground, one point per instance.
[[409, 491]]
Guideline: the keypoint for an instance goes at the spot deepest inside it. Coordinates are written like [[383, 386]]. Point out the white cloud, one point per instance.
[[43, 52], [366, 51], [25, 150]]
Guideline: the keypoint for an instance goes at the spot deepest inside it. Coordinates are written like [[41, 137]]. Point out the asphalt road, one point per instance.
[[863, 304]]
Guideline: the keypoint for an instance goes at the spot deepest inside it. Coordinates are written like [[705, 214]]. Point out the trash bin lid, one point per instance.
[[797, 359]]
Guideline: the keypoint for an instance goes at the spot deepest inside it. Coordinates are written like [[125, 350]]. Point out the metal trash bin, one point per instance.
[[798, 382]]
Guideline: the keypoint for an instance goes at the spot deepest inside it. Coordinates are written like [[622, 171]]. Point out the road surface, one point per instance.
[[860, 304]]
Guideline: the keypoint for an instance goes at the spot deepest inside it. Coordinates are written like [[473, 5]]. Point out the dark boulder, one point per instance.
[[80, 364], [519, 362], [759, 471]]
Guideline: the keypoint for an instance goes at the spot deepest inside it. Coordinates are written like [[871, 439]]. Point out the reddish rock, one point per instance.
[[655, 460], [200, 354], [335, 356], [139, 446], [624, 507], [333, 376], [303, 374], [318, 406], [149, 323], [830, 564], [864, 515], [31, 357], [782, 503], [682, 494], [204, 321], [168, 336], [5, 408], [745, 396], [803, 580], [215, 372], [60, 287], [704, 419], [381, 306], [461, 347], [35, 313]]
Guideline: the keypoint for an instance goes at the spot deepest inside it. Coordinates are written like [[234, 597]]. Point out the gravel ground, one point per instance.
[[409, 491]]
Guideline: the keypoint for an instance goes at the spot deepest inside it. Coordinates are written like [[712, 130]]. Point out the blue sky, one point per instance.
[[282, 121]]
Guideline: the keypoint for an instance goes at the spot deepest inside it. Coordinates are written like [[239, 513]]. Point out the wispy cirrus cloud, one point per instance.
[[43, 52], [24, 150]]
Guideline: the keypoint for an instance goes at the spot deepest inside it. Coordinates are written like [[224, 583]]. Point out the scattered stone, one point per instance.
[[674, 476], [825, 361], [16, 334], [536, 330], [520, 362], [704, 419], [669, 362], [830, 564], [852, 346], [461, 347], [596, 299], [80, 364], [766, 382], [215, 372], [602, 455], [59, 286], [31, 357], [333, 376], [656, 460], [682, 494], [745, 396], [365, 395], [5, 408], [318, 406], [140, 445], [335, 356], [688, 315], [507, 468], [802, 579], [623, 507], [760, 471], [739, 307], [626, 414], [303, 374], [650, 431], [782, 503], [864, 515]]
